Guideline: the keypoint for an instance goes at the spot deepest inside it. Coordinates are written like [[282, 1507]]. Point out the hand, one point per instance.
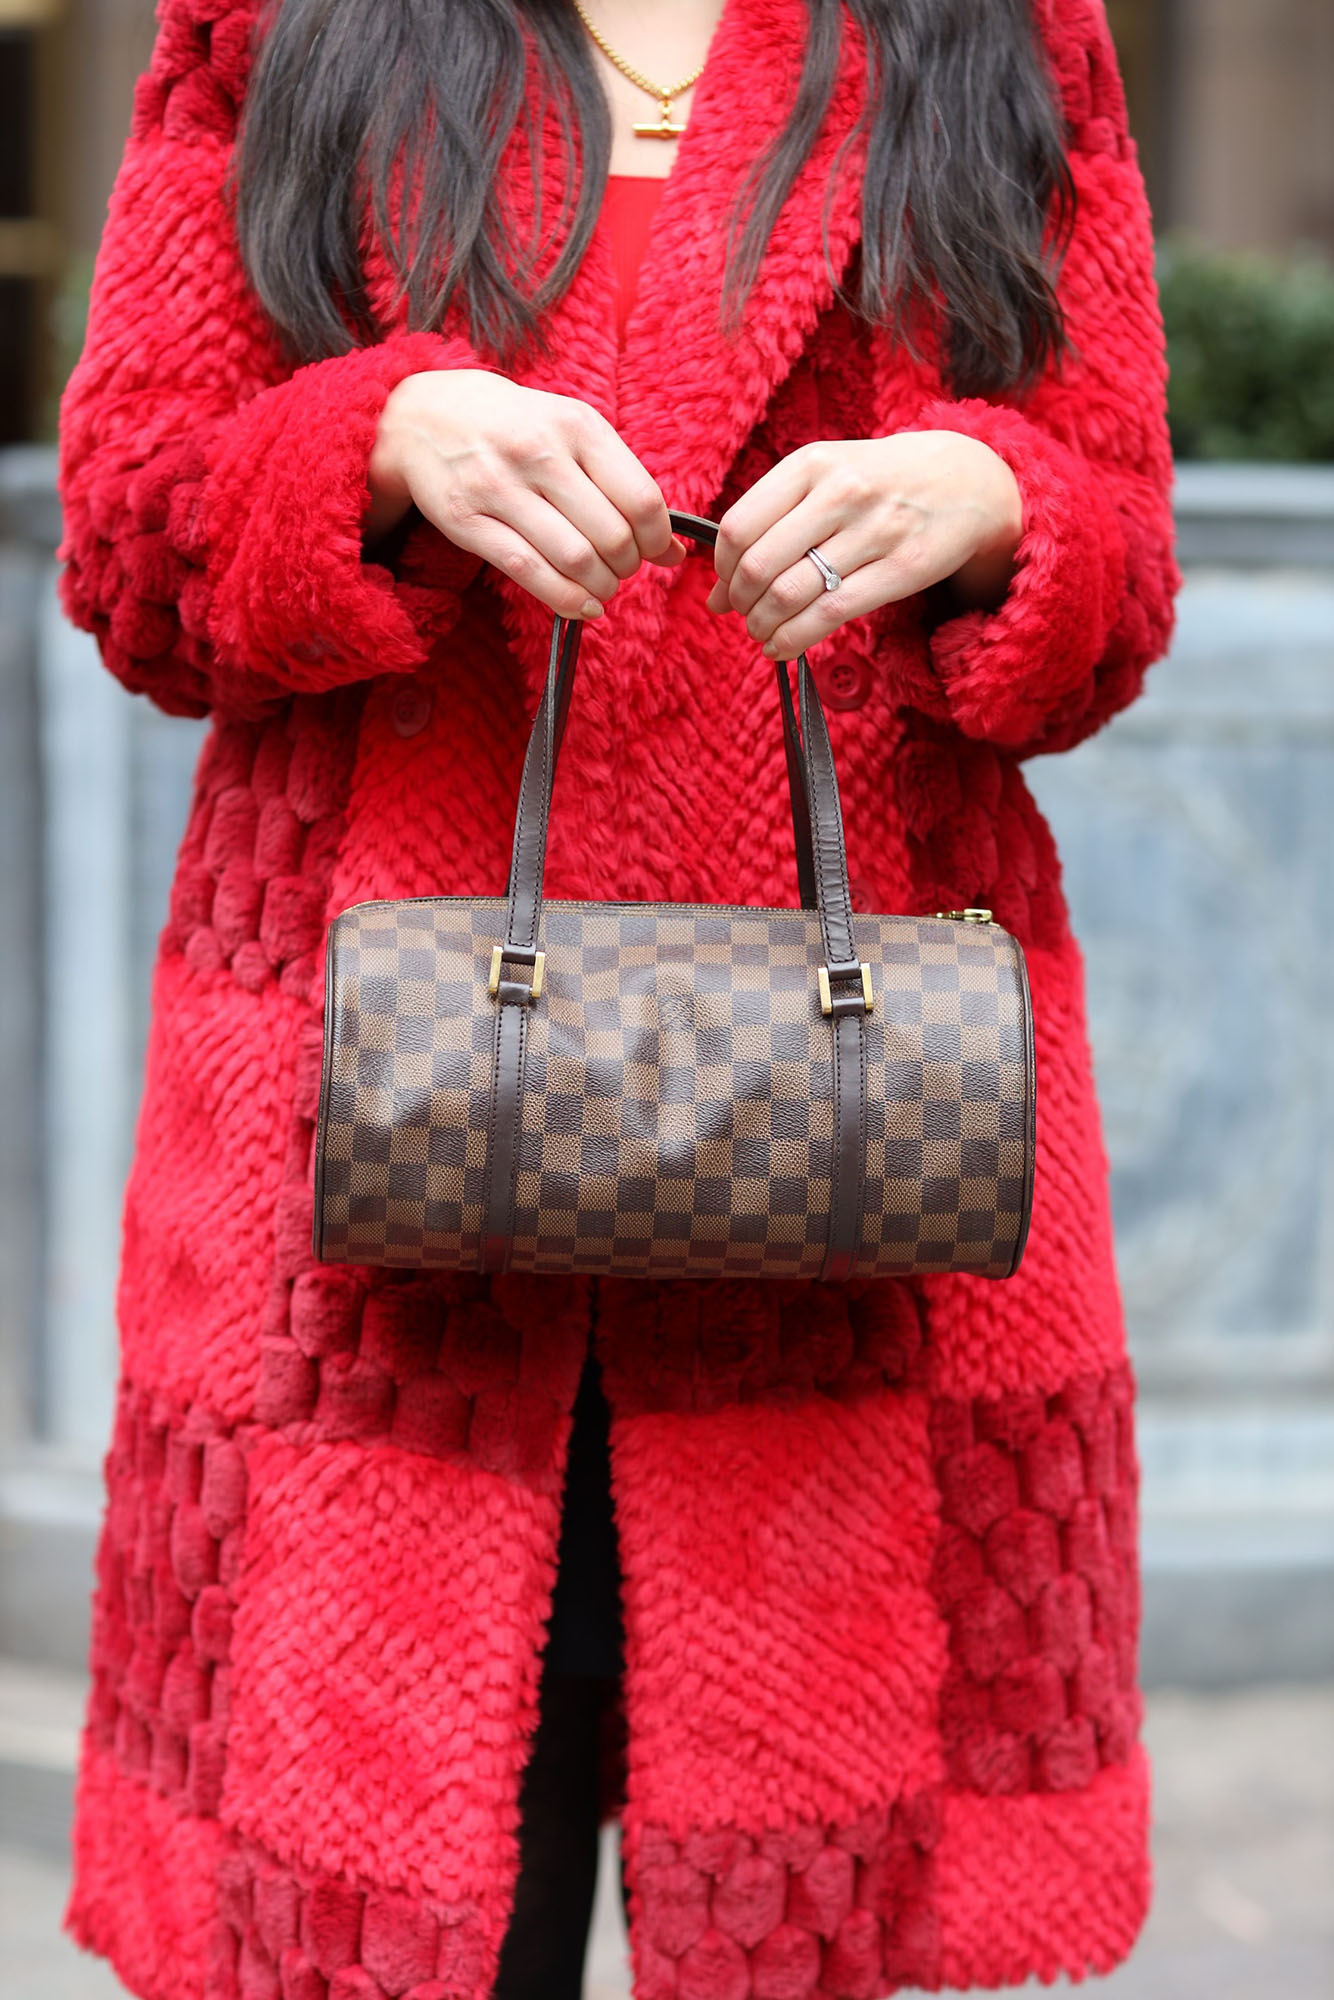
[[892, 515], [539, 485]]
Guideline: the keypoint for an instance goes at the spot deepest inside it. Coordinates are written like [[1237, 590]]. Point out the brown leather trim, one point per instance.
[[322, 1116], [799, 789], [849, 1143], [827, 843], [503, 1135], [1031, 1094], [848, 1039]]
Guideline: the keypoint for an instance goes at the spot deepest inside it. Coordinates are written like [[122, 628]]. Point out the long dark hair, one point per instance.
[[967, 200]]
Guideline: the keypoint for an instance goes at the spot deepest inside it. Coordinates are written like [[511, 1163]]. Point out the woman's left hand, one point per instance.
[[892, 516]]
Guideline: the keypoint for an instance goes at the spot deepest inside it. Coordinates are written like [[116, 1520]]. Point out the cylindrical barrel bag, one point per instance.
[[675, 1089]]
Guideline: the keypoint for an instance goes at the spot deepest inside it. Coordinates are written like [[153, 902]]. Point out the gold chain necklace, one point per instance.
[[666, 128]]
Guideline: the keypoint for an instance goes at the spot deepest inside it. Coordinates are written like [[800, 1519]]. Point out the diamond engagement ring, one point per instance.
[[832, 579]]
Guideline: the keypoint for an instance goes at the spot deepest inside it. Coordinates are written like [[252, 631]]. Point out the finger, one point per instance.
[[501, 545], [790, 592], [626, 484], [801, 584], [781, 562], [781, 548], [586, 507], [564, 546], [865, 590], [776, 493]]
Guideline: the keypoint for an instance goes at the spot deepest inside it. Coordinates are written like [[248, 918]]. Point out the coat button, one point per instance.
[[845, 683], [861, 892], [311, 651], [410, 710]]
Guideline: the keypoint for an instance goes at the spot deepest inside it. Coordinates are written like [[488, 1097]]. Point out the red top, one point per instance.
[[628, 208]]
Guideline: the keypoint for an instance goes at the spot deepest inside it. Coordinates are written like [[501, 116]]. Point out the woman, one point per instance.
[[337, 446]]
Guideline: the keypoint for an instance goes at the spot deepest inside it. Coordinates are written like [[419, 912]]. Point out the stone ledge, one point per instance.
[[1260, 516], [29, 509]]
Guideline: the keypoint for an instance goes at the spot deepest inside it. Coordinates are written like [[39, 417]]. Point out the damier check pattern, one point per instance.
[[677, 1105]]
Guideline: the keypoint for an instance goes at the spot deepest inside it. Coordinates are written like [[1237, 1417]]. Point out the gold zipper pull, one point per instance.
[[966, 916]]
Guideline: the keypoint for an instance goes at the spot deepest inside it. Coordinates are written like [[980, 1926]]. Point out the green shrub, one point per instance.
[[1250, 343], [66, 325]]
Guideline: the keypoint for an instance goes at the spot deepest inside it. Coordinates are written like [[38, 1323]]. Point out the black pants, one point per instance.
[[542, 1956]]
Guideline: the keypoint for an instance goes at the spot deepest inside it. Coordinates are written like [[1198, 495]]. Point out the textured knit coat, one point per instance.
[[880, 1713]]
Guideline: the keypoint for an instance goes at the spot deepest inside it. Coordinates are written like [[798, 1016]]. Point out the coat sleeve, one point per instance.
[[212, 497], [1090, 605]]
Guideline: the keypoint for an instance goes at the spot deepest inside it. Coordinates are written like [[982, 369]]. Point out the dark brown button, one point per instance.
[[411, 709], [312, 651], [845, 683]]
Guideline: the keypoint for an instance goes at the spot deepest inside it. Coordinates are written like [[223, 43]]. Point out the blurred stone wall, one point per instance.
[[1197, 833]]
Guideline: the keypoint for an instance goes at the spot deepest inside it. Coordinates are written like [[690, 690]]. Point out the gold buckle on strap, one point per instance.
[[527, 954], [841, 971]]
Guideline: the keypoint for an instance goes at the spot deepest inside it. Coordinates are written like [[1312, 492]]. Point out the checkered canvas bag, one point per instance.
[[675, 1089]]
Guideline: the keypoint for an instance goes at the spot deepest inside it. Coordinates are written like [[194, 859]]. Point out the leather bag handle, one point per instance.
[[563, 665], [822, 867], [822, 864]]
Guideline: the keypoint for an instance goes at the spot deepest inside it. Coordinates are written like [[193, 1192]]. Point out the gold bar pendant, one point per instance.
[[664, 129]]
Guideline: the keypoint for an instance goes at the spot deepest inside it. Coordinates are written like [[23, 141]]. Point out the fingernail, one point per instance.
[[591, 608]]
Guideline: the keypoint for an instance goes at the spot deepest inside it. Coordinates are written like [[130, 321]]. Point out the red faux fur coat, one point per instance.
[[879, 1542]]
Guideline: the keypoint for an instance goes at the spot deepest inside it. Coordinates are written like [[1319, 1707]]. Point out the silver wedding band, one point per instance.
[[832, 579]]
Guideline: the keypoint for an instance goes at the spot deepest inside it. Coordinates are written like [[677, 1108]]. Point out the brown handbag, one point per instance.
[[675, 1089]]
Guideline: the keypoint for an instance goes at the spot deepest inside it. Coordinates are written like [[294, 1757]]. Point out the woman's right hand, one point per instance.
[[539, 485]]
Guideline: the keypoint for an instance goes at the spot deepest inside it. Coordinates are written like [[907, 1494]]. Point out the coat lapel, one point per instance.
[[689, 395], [683, 395]]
